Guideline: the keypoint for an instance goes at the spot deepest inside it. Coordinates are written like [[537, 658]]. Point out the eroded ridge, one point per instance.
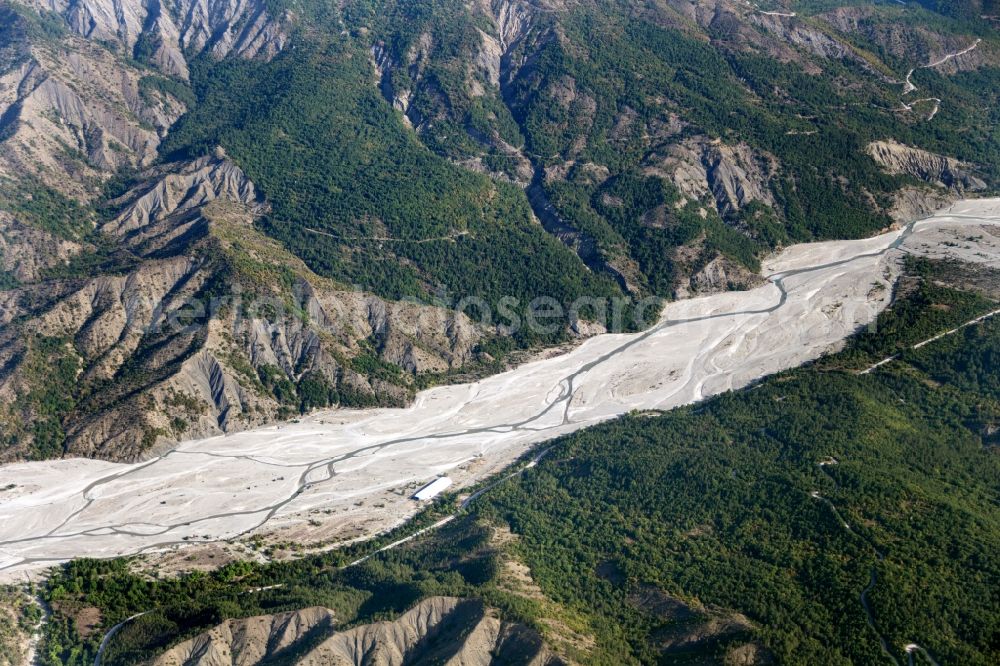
[[348, 471]]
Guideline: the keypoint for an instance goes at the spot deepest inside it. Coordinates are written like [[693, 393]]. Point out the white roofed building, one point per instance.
[[432, 489]]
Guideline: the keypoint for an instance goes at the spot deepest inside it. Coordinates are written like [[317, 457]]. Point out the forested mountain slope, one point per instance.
[[824, 516], [344, 156]]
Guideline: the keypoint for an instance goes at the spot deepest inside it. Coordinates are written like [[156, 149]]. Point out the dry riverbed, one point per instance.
[[348, 474]]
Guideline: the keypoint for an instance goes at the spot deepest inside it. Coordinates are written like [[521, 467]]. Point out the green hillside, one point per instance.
[[653, 528]]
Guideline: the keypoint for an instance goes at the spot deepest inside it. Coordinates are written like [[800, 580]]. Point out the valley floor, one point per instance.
[[343, 475]]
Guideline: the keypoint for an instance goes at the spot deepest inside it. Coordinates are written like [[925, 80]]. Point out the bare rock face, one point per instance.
[[399, 91], [173, 192], [437, 630], [212, 330], [249, 641], [200, 325], [778, 33], [938, 170], [27, 252], [99, 19], [701, 12], [73, 112], [243, 28], [490, 56], [513, 22], [703, 273], [692, 626], [384, 65], [163, 31], [913, 203], [721, 274], [800, 35], [732, 175], [738, 176], [919, 45], [509, 36]]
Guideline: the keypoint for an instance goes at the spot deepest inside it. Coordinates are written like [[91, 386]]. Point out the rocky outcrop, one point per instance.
[[71, 113], [513, 22], [914, 203], [509, 36], [800, 35], [170, 193], [919, 45], [249, 641], [27, 253], [400, 90], [701, 271], [722, 274], [718, 178], [778, 32], [738, 176], [190, 323], [694, 628], [162, 32], [79, 104], [731, 175], [947, 172], [241, 27], [443, 630], [215, 328], [702, 13]]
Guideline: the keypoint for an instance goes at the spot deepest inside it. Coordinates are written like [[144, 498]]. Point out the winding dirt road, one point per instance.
[[909, 86], [911, 648]]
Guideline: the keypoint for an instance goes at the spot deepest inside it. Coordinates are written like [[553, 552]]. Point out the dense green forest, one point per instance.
[[609, 90], [720, 505], [360, 199], [368, 200]]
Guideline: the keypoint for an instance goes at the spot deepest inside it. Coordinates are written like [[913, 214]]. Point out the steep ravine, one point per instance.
[[585, 247]]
